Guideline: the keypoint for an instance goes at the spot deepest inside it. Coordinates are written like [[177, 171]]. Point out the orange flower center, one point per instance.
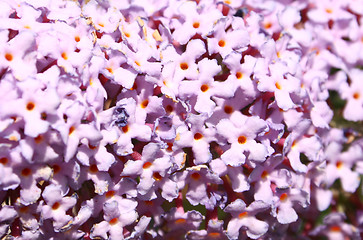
[[110, 194], [339, 164], [356, 95], [30, 106], [239, 75], [26, 172], [204, 88], [125, 129], [335, 228], [243, 214], [4, 160], [184, 66], [278, 86], [145, 103], [148, 203], [242, 139], [215, 235], [221, 43], [283, 197], [56, 205], [228, 109], [64, 55], [8, 56], [38, 139], [146, 165], [157, 176], [170, 147], [196, 25], [180, 221], [264, 174], [169, 108], [71, 130], [198, 136], [56, 168], [93, 168], [113, 221], [268, 25]]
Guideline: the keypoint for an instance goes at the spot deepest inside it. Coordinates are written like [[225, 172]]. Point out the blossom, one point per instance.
[[353, 95], [116, 217], [281, 83], [152, 168], [122, 136], [196, 21], [240, 132], [55, 207], [197, 178], [334, 227], [283, 204], [32, 108], [224, 42], [243, 216], [198, 137], [265, 176]]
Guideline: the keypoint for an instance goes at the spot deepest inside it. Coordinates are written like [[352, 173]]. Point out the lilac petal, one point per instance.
[[197, 193], [132, 168], [201, 152], [323, 198], [140, 228], [29, 196], [234, 225], [236, 206], [239, 180], [52, 193], [321, 114], [169, 190], [350, 180], [238, 39], [286, 214], [7, 213], [218, 166], [263, 191], [195, 48], [257, 206], [83, 215], [283, 99], [100, 230], [233, 156], [256, 228], [125, 77]]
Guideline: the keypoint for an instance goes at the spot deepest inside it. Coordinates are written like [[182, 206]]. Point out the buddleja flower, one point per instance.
[[223, 41], [197, 137], [240, 132], [152, 169], [243, 216], [124, 125], [281, 83], [30, 106], [55, 207], [283, 204], [197, 179], [354, 95], [19, 55], [196, 20], [116, 217], [334, 227]]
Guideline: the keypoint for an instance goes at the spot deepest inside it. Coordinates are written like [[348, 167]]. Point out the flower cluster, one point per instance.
[[175, 119]]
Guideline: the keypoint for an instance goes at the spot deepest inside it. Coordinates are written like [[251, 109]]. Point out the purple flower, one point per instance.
[[240, 132], [243, 216]]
